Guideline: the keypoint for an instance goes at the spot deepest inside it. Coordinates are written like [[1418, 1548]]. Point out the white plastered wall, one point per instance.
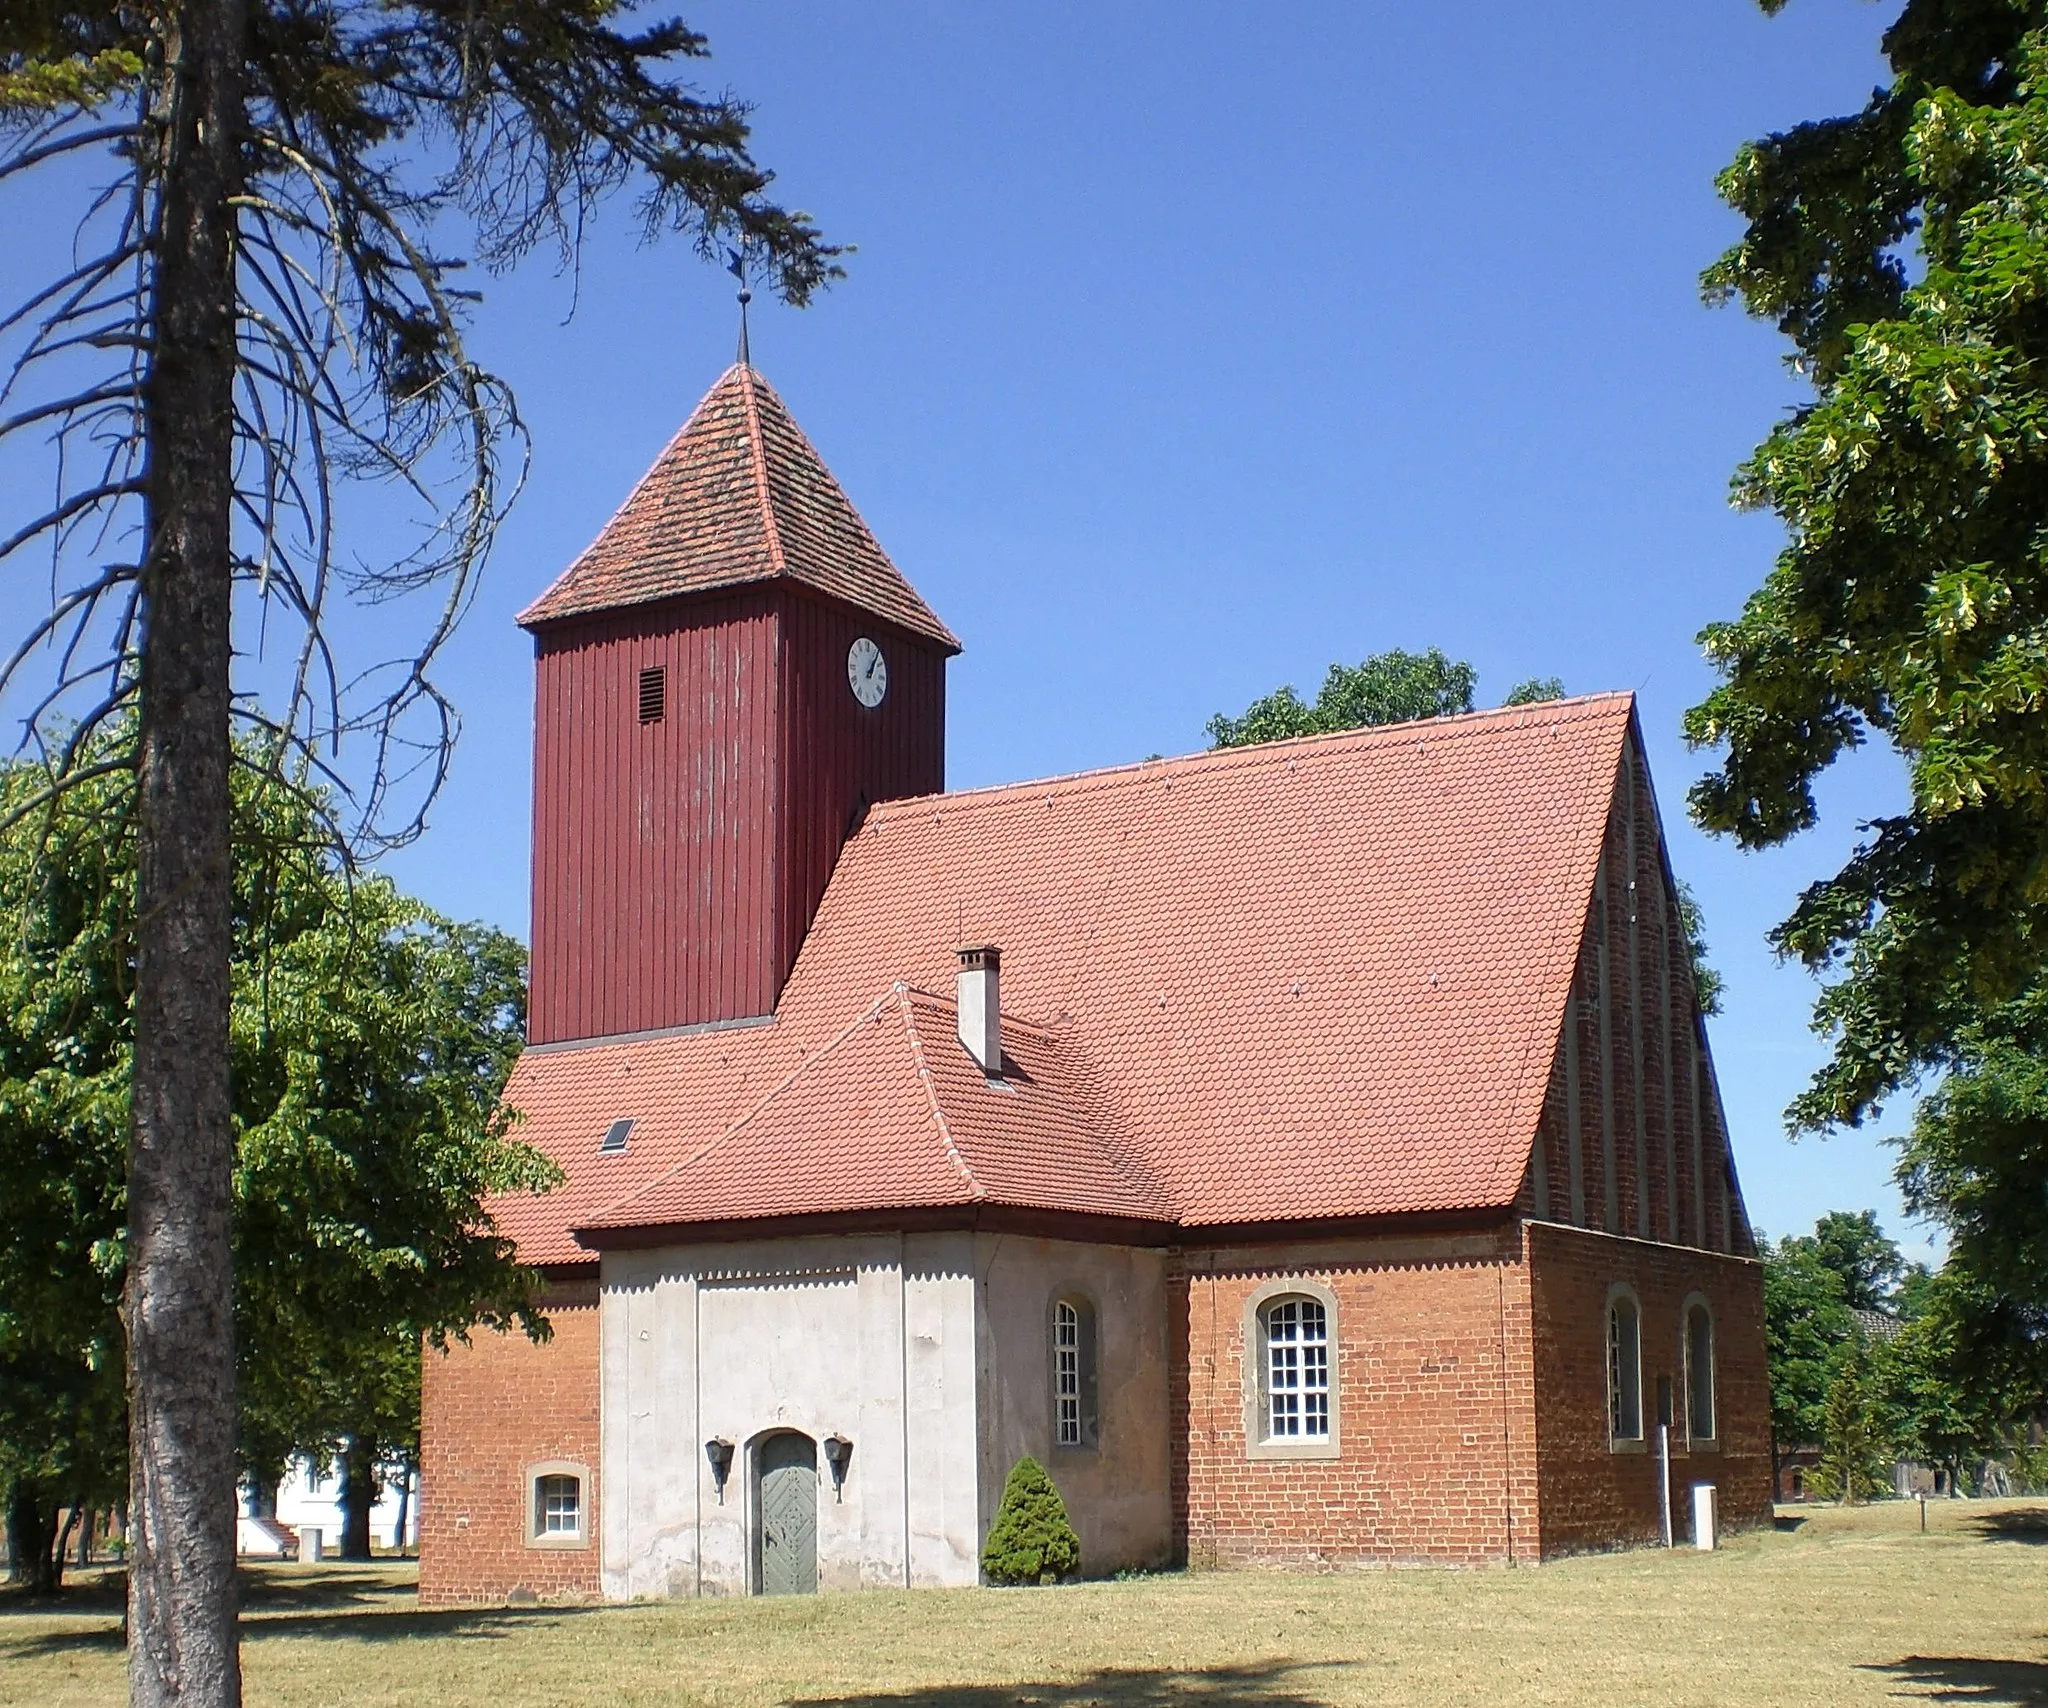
[[1118, 1494], [869, 1337]]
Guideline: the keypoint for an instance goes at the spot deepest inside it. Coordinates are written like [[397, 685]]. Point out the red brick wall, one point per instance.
[[1435, 1441], [1589, 1495], [488, 1411]]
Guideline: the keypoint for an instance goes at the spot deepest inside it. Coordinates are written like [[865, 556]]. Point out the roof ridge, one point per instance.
[[757, 440], [931, 1094], [1461, 726]]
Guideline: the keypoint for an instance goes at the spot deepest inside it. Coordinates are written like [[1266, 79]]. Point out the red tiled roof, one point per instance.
[[1311, 979], [892, 1114], [739, 495]]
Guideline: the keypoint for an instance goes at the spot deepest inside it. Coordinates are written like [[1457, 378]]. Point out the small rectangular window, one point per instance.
[[557, 1506], [615, 1137], [653, 694]]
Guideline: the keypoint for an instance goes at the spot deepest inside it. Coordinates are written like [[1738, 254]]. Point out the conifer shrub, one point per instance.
[[1031, 1540], [1855, 1461]]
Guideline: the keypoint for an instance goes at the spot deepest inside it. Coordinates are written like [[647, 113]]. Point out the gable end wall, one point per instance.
[[1633, 1139]]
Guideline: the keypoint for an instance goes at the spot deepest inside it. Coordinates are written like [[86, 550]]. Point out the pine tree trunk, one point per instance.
[[181, 1372], [358, 1495]]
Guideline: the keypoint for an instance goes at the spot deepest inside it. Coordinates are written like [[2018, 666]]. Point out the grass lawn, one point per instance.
[[1850, 1607]]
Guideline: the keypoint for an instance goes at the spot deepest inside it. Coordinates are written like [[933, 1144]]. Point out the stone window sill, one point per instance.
[[1292, 1450]]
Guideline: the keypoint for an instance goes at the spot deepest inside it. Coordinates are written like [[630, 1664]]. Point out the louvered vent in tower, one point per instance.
[[653, 694]]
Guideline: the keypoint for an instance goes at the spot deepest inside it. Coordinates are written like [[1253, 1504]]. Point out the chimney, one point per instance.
[[981, 1014]]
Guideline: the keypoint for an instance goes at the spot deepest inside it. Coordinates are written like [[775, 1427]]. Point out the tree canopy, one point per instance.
[[1807, 1322], [372, 1038], [1386, 688], [1871, 1355], [1901, 251], [1390, 687]]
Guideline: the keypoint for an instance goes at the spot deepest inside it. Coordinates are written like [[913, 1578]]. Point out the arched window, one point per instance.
[[1073, 1373], [1624, 1367], [1295, 1373], [1699, 1371]]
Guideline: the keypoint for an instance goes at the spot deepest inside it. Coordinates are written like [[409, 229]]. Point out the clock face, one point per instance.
[[867, 672]]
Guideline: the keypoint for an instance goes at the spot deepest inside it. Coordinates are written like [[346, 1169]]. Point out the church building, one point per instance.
[[1309, 1152]]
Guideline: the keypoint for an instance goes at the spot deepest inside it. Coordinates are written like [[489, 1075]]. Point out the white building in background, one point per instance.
[[309, 1498]]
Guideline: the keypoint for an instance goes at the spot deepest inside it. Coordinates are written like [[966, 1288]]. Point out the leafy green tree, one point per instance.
[[1387, 688], [1807, 1326], [1706, 978], [1931, 1400], [1975, 1161], [1976, 1157], [1852, 1244], [1031, 1540], [66, 975], [1908, 604], [1855, 1460], [263, 303], [371, 1040], [1535, 691]]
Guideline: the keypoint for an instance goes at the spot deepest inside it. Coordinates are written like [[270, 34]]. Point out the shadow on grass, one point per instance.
[[1968, 1678], [106, 1593], [371, 1624], [1784, 1525], [2015, 1524], [1268, 1684], [105, 1590]]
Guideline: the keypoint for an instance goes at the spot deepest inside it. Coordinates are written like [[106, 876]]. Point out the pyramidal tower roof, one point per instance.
[[740, 495]]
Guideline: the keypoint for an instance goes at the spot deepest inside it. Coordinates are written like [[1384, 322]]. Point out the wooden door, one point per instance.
[[786, 1528]]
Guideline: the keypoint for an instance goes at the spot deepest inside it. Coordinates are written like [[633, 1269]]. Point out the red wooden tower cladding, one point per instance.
[[726, 679]]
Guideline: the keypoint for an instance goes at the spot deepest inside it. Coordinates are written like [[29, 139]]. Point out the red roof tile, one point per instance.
[[1310, 979], [893, 1113], [739, 495]]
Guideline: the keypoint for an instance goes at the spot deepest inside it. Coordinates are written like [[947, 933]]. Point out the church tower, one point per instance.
[[725, 680]]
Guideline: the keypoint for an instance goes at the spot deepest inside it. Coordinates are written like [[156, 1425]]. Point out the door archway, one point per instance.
[[785, 1514]]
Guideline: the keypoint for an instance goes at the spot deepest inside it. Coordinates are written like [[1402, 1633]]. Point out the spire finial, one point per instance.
[[736, 265]]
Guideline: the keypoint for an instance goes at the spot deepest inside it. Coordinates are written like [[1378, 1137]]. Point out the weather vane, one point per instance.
[[736, 265]]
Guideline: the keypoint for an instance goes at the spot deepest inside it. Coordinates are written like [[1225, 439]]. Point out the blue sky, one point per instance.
[[1191, 347]]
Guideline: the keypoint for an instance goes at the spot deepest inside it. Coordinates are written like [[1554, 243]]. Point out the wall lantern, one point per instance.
[[719, 1451], [838, 1455]]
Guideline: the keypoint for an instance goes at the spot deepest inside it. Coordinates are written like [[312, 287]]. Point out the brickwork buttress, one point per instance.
[[1632, 1139]]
